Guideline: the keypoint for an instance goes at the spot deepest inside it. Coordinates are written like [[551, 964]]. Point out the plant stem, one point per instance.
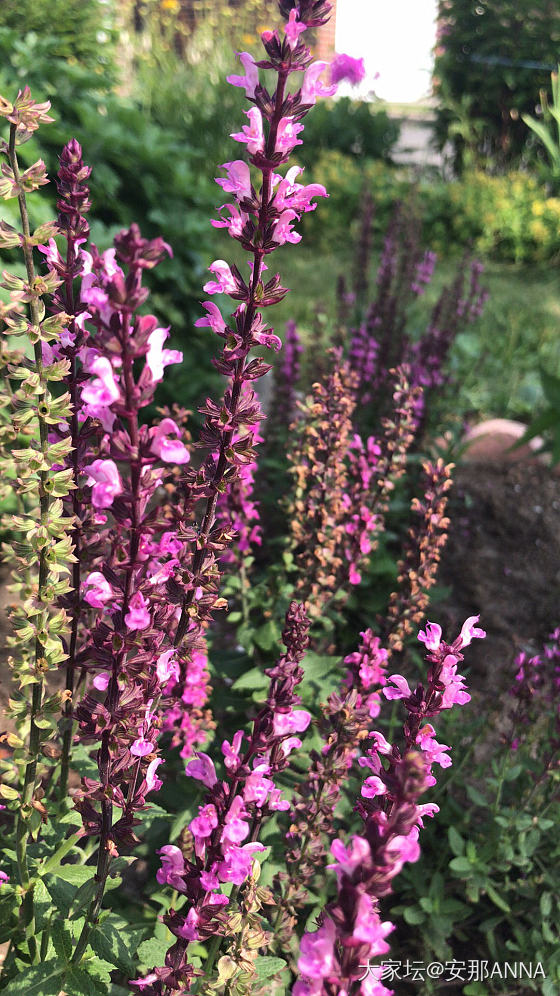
[[238, 379], [30, 779], [104, 854]]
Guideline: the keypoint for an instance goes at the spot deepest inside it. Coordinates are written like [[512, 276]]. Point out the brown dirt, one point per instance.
[[502, 561]]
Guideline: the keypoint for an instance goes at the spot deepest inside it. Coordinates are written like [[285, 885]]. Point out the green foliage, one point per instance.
[[510, 217], [547, 423], [499, 53], [83, 33], [492, 851], [352, 127], [142, 171], [548, 129]]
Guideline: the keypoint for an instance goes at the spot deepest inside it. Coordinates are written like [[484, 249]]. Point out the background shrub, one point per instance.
[[499, 53]]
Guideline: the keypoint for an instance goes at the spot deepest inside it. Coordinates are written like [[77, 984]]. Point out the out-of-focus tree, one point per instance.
[[491, 59]]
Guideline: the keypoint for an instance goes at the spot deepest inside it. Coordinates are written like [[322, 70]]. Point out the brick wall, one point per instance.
[[325, 47]]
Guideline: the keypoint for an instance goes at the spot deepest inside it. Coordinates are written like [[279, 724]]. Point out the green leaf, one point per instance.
[[82, 897], [79, 983], [62, 941], [546, 904], [266, 967], [268, 635], [413, 915], [253, 680], [153, 951], [52, 864], [40, 980], [456, 842], [61, 894], [460, 865], [74, 874], [7, 792], [496, 898], [109, 941]]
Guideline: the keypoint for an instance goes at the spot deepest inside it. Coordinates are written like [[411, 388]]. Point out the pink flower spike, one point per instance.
[[251, 78], [103, 389], [348, 859], [382, 746], [470, 632], [252, 133], [283, 231], [148, 980], [225, 284], [137, 616], [166, 668], [97, 590], [202, 768], [401, 691], [317, 952], [295, 721], [104, 477], [172, 867], [431, 636], [294, 28], [188, 930]]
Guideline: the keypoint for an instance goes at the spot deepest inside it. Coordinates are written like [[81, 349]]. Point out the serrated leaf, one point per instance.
[[109, 942], [74, 874], [79, 983], [39, 980], [62, 941], [61, 894], [266, 966], [153, 951]]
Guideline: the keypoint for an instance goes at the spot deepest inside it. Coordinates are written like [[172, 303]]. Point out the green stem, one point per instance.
[[30, 779]]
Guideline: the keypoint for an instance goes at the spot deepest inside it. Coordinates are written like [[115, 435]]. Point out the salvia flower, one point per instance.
[[351, 932]]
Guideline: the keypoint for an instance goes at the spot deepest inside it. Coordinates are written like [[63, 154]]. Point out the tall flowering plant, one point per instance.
[[123, 535], [339, 955]]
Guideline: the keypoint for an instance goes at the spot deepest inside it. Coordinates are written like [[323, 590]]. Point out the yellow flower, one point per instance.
[[539, 231], [537, 208], [172, 5]]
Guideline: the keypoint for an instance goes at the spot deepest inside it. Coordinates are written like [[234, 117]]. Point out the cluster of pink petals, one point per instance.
[[252, 133], [313, 87], [157, 358], [138, 615], [96, 590], [294, 28], [105, 482], [250, 80], [167, 448], [184, 717], [344, 67]]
